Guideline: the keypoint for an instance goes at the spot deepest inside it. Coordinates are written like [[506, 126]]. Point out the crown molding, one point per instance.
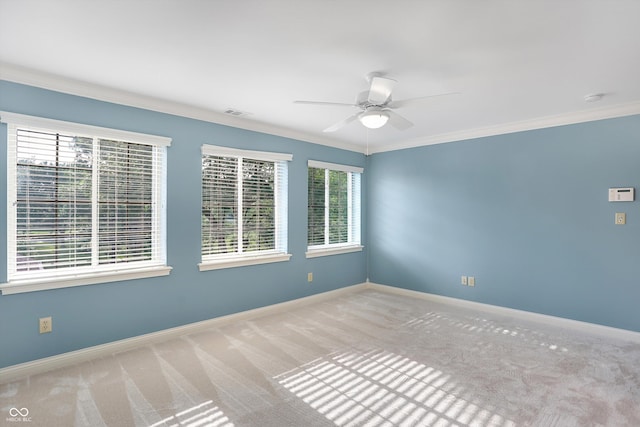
[[30, 77], [48, 81], [609, 112]]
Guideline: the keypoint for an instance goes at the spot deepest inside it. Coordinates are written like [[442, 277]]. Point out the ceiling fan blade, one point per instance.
[[412, 101], [380, 90], [397, 121], [341, 124], [339, 104]]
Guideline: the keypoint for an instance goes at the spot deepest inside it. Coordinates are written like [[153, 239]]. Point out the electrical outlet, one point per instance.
[[45, 325], [621, 218], [472, 281], [463, 280], [309, 277]]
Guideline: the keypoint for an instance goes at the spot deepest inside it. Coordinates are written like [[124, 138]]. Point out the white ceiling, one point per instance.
[[516, 64]]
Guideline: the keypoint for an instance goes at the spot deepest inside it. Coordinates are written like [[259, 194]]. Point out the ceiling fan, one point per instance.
[[376, 105]]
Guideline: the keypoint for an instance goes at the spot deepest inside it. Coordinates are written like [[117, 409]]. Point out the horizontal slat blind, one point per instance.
[[333, 204], [281, 208], [338, 207], [317, 213], [219, 205], [334, 166], [244, 203], [82, 203], [258, 205], [53, 201], [125, 202], [70, 128], [354, 198]]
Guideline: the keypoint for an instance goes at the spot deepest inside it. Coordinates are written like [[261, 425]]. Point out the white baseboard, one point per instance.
[[39, 366], [560, 322], [11, 373]]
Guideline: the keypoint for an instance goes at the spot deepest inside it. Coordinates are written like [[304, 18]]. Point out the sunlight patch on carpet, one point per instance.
[[381, 388]]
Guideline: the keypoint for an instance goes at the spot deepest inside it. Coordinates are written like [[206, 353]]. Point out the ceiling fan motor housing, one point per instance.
[[362, 100]]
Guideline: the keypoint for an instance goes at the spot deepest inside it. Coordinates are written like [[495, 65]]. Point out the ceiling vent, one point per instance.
[[593, 97], [234, 112]]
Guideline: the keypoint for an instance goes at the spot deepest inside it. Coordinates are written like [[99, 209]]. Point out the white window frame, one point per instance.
[[354, 198], [69, 277], [279, 254]]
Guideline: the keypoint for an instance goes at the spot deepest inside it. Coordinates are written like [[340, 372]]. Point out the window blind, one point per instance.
[[82, 203], [333, 204], [126, 221], [244, 203]]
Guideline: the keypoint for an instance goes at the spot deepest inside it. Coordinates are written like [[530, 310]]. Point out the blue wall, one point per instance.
[[525, 213], [95, 314]]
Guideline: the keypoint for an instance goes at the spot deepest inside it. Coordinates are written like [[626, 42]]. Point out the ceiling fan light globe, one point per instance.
[[374, 119]]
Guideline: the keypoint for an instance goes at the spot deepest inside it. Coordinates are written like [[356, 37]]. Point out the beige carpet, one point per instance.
[[363, 359]]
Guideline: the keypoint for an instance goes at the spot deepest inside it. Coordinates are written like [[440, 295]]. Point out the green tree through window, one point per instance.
[[244, 204], [333, 206], [82, 203]]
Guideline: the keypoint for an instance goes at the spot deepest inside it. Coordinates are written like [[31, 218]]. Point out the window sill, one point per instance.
[[43, 284], [242, 261], [336, 250]]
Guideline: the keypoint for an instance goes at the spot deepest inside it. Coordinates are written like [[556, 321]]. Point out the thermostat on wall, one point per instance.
[[621, 194]]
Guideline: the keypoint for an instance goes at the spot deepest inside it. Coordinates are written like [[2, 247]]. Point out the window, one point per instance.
[[244, 207], [333, 209], [86, 204]]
